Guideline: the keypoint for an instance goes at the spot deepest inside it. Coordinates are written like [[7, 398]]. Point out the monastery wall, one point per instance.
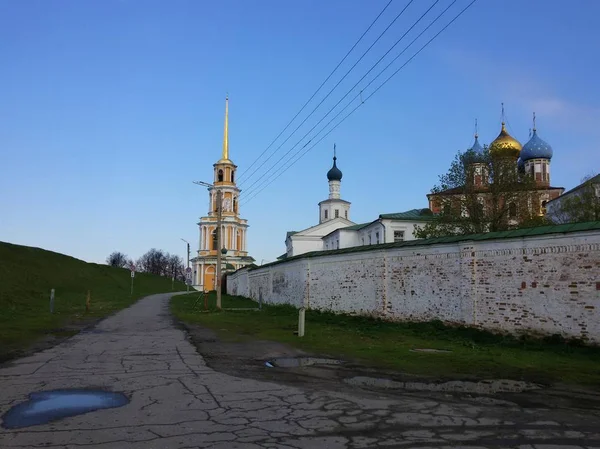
[[546, 284]]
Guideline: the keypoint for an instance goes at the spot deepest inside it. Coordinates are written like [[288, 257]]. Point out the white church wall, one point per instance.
[[546, 284]]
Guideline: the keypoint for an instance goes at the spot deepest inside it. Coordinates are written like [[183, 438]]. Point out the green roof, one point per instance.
[[355, 227], [413, 214], [516, 233]]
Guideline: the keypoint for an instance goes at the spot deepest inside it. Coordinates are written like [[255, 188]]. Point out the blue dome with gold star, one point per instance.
[[536, 148]]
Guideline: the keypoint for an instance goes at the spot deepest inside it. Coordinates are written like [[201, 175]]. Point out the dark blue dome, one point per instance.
[[536, 148], [334, 173]]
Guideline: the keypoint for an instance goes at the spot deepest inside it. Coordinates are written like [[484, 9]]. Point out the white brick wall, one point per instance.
[[548, 284]]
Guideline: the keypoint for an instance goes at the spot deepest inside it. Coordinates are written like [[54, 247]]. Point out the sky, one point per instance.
[[110, 109]]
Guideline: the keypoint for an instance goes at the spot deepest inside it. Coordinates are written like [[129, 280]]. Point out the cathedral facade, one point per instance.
[[234, 254], [533, 159]]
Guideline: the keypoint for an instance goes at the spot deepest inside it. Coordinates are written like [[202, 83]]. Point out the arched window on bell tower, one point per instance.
[[220, 176], [234, 203], [232, 175]]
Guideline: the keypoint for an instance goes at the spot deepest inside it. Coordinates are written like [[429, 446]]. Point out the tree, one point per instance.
[[581, 204], [175, 267], [154, 261], [480, 193], [117, 259]]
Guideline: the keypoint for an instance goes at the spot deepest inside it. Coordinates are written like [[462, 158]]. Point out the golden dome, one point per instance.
[[505, 145]]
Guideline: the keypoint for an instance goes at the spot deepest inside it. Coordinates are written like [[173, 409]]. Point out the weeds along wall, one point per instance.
[[541, 284]]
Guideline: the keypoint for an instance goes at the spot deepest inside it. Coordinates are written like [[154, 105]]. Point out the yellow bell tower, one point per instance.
[[233, 228]]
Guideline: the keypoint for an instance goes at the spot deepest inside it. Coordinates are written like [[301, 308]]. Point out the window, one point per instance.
[[325, 214], [363, 240], [214, 240], [232, 177], [220, 176], [370, 239], [235, 204], [337, 244], [346, 214], [543, 208], [377, 237], [512, 210], [544, 172], [337, 213], [398, 236]]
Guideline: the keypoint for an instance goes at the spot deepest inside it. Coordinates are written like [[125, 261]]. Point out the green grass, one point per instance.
[[475, 353], [26, 277]]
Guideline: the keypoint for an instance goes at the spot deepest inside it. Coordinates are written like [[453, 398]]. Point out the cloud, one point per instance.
[[526, 92]]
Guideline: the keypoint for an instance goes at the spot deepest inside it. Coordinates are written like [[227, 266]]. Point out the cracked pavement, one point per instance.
[[177, 401]]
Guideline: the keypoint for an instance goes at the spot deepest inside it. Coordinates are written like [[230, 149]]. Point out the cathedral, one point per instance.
[[234, 254], [533, 159]]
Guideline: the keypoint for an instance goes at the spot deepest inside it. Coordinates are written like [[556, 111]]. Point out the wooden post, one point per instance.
[[301, 316], [52, 301]]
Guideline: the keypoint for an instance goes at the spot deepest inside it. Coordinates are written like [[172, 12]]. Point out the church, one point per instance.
[[532, 159], [234, 253], [335, 230]]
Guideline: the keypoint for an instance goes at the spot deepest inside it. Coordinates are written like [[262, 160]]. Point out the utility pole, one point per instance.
[[188, 265], [219, 245], [219, 239]]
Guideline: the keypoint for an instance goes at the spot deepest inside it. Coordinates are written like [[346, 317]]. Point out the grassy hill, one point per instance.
[[26, 277]]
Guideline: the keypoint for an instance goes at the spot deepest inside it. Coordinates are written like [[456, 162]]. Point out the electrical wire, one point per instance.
[[250, 190], [318, 89], [331, 91], [347, 93], [361, 103]]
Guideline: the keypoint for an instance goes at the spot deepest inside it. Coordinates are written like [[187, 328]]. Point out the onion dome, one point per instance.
[[505, 145], [334, 173], [536, 148], [474, 154]]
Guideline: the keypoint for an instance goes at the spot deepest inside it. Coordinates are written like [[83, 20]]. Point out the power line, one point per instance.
[[364, 101], [357, 83], [318, 89], [334, 87]]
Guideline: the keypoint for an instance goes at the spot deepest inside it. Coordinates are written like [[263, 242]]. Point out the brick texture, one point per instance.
[[545, 285]]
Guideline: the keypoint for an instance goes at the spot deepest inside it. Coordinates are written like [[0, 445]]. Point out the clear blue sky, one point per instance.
[[109, 109]]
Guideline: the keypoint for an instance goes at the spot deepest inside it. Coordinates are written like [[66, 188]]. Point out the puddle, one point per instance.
[[455, 386], [45, 406], [294, 362], [430, 350]]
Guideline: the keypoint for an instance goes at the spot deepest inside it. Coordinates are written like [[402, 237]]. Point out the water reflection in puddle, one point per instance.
[[45, 406], [294, 362]]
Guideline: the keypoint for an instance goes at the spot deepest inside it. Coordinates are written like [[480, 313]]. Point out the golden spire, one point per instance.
[[226, 132]]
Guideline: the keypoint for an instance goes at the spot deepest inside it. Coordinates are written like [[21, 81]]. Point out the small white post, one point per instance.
[[52, 301], [301, 315]]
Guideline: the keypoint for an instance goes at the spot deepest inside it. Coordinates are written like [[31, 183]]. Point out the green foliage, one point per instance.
[[479, 194], [26, 276], [371, 341], [581, 205]]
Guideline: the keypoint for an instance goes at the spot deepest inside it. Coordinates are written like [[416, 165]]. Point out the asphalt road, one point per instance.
[[176, 401]]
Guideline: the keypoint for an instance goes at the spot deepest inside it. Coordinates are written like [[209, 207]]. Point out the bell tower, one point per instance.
[[233, 228]]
